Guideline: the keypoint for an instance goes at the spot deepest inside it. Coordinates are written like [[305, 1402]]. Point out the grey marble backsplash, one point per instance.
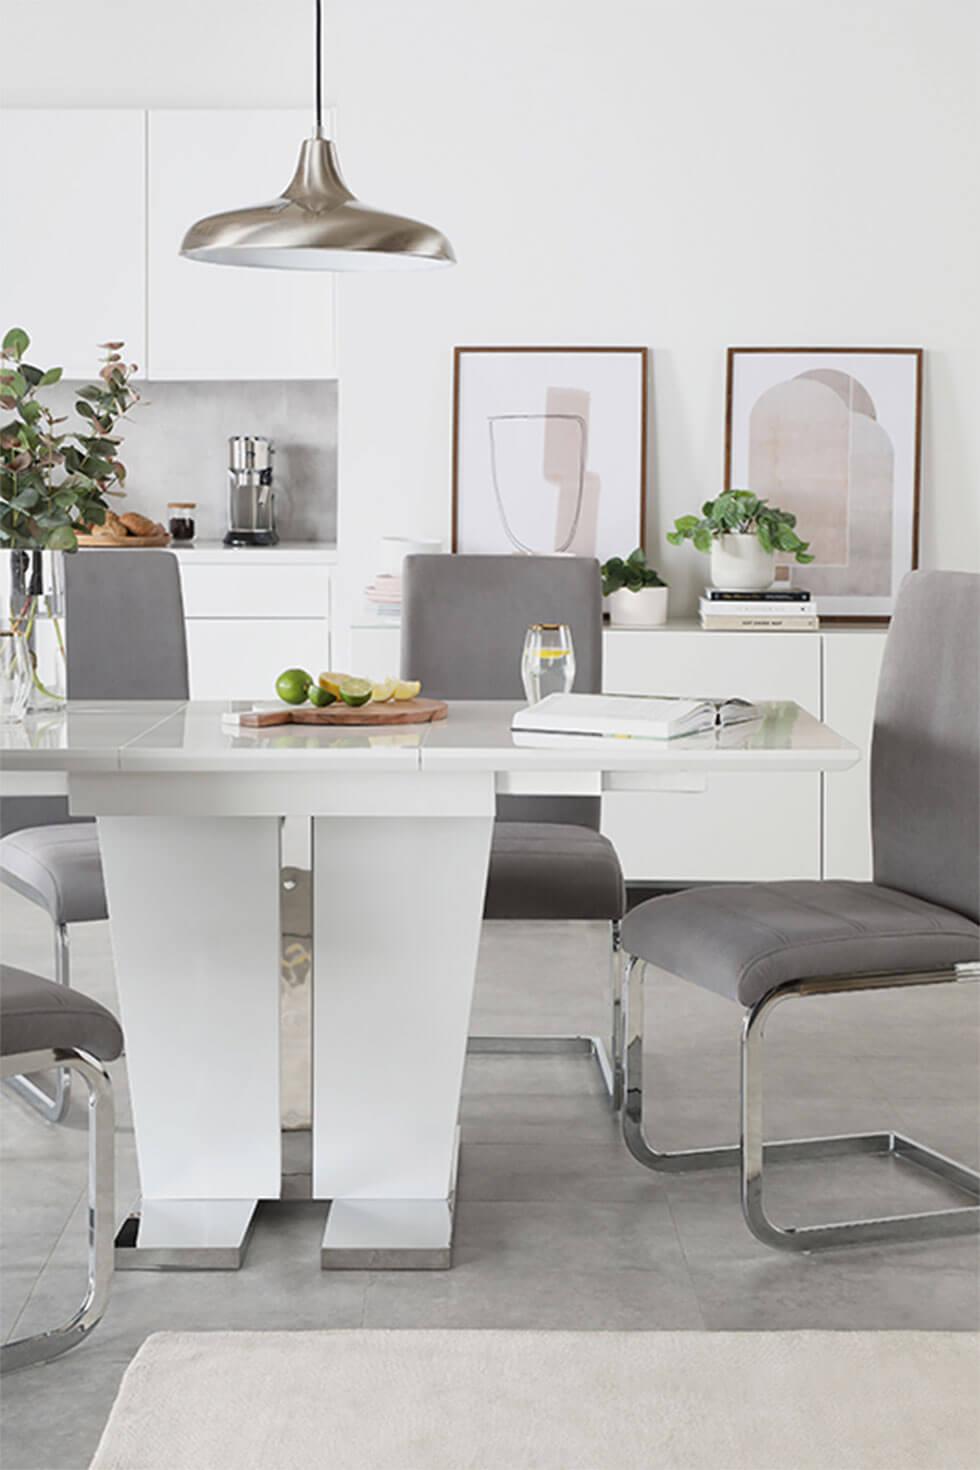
[[176, 448]]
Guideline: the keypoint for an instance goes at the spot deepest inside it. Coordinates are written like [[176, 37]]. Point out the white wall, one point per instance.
[[687, 174]]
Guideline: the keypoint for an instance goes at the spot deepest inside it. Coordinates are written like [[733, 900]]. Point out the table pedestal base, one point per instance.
[[186, 1235]]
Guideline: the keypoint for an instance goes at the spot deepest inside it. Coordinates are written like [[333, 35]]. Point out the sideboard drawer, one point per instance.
[[748, 827], [260, 591]]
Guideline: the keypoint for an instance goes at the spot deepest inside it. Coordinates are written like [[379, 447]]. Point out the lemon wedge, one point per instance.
[[384, 691], [332, 682], [407, 689]]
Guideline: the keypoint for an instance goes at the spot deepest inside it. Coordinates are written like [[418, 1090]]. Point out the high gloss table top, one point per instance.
[[159, 737]]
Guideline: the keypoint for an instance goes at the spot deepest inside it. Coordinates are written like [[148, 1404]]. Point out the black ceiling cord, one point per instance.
[[319, 69]]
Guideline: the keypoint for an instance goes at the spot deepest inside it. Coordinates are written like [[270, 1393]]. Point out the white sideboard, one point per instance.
[[729, 827], [162, 170]]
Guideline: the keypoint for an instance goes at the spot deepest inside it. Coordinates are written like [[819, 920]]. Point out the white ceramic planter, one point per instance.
[[739, 563], [646, 608]]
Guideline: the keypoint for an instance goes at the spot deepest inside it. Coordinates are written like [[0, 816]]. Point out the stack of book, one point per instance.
[[782, 610]]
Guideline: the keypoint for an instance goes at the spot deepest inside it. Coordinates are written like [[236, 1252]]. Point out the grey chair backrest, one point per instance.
[[463, 624], [925, 751], [124, 617]]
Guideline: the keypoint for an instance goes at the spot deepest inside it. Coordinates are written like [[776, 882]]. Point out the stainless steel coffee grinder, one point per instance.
[[251, 498]]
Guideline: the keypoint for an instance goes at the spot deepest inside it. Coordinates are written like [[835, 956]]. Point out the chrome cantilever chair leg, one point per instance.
[[52, 1106], [609, 1063], [751, 1153], [41, 1348]]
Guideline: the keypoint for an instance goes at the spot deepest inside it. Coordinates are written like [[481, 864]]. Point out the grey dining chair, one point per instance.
[[43, 1025], [915, 924], [124, 617], [463, 624]]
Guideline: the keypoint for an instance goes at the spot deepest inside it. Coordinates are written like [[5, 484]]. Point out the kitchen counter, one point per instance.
[[295, 553]]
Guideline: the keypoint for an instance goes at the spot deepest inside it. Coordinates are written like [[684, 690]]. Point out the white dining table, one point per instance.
[[190, 813]]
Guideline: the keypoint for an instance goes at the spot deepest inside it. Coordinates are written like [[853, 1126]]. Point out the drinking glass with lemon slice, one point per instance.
[[548, 661]]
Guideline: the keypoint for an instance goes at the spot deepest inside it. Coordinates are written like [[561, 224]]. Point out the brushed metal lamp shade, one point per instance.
[[316, 224]]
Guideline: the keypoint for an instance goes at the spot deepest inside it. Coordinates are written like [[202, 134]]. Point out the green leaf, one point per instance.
[[675, 538], [687, 523], [765, 540], [62, 538], [702, 539], [53, 375], [85, 409], [805, 557], [14, 384], [16, 342]]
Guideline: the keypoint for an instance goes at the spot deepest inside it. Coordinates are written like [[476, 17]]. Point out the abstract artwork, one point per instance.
[[549, 450], [833, 435]]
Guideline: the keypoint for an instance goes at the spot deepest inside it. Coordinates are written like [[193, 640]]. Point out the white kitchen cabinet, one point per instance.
[[208, 321], [852, 664], [73, 244], [241, 658]]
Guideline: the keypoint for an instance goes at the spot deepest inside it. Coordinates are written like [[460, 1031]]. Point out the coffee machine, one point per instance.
[[251, 498]]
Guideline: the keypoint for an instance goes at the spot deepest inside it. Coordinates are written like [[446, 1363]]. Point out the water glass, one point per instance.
[[548, 661], [15, 677]]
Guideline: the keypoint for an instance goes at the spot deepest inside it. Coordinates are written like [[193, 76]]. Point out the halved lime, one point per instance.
[[320, 697], [356, 692]]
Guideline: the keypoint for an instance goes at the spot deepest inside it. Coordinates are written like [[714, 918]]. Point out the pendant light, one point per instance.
[[316, 224]]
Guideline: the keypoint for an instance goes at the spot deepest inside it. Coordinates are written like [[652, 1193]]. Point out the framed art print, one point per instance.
[[833, 435], [549, 450]]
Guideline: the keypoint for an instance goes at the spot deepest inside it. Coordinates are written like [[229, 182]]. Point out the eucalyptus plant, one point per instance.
[[633, 573], [53, 481], [740, 512]]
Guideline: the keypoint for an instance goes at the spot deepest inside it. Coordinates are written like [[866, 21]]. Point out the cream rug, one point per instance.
[[379, 1400]]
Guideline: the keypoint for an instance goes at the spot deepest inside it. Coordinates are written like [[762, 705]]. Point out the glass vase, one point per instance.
[[15, 677], [37, 617]]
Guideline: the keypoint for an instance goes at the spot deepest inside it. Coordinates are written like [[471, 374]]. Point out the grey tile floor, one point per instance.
[[556, 1225]]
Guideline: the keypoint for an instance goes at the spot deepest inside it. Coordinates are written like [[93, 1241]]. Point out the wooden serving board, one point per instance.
[[398, 712], [127, 542]]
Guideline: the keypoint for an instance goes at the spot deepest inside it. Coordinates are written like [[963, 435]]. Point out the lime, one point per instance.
[[356, 692], [320, 698], [293, 685]]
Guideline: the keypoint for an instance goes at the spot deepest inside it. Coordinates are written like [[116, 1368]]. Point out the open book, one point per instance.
[[630, 716]]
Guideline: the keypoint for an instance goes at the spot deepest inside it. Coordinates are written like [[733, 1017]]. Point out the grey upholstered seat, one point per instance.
[[38, 1015], [922, 910], [464, 621], [549, 870], [59, 868], [745, 939]]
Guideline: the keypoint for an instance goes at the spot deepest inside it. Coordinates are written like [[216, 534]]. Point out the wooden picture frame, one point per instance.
[[806, 434], [613, 527]]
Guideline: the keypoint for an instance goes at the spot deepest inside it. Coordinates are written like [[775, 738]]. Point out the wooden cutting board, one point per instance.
[[126, 542], [398, 712]]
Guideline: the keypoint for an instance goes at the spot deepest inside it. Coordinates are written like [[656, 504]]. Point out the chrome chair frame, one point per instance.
[[751, 1153], [41, 1348], [609, 1063], [51, 1107]]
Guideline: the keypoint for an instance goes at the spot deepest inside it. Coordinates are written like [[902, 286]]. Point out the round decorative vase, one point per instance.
[[740, 564], [644, 609]]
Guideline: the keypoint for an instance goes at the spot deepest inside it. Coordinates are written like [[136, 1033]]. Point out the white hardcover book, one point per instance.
[[629, 716], [757, 608]]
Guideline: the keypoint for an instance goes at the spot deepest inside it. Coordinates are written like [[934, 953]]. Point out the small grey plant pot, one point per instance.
[[644, 609]]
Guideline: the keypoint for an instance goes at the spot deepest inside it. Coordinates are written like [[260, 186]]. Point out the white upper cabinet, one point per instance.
[[73, 238], [212, 321]]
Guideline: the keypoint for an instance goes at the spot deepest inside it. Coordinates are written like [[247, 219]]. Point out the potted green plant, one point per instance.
[[636, 594], [742, 533], [53, 483]]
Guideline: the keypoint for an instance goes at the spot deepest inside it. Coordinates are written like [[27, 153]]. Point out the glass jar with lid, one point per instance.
[[180, 520]]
